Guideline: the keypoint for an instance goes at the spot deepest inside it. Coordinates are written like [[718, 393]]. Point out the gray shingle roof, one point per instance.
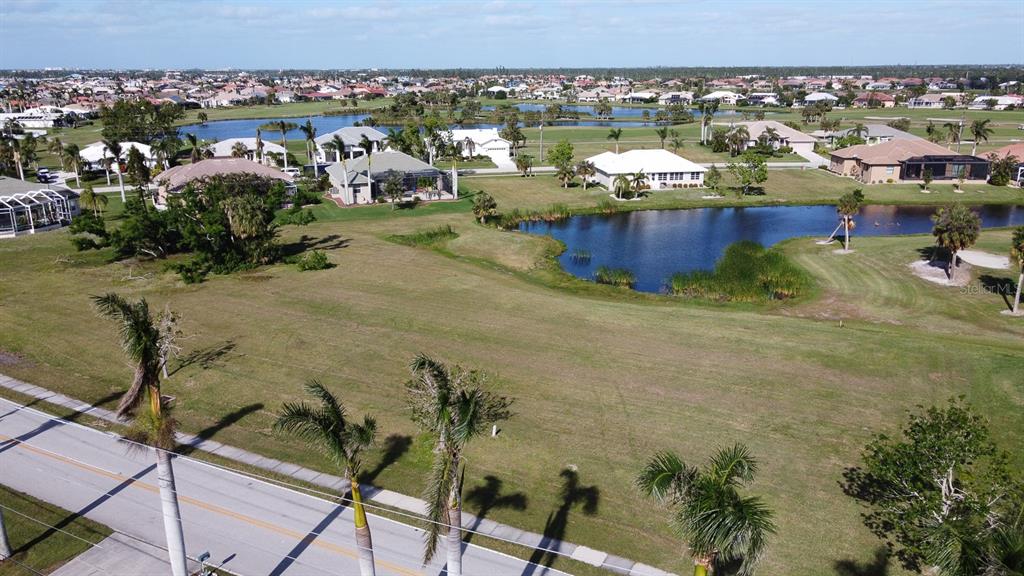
[[380, 163], [352, 135]]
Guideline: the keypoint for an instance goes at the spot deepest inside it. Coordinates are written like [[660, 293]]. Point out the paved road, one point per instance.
[[248, 526]]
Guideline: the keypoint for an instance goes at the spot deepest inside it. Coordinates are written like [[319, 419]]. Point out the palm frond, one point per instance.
[[665, 476], [328, 402], [733, 463]]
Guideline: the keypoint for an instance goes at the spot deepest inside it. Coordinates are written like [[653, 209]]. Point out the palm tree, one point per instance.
[[56, 147], [952, 132], [259, 145], [326, 428], [16, 153], [193, 142], [707, 111], [738, 138], [621, 185], [981, 132], [718, 524], [90, 199], [283, 127], [585, 169], [956, 228], [309, 131], [859, 130], [113, 155], [565, 174], [450, 404], [239, 150], [202, 118], [524, 162], [143, 341], [848, 206], [637, 182], [484, 206], [339, 148], [1017, 256], [662, 135], [72, 154], [615, 134]]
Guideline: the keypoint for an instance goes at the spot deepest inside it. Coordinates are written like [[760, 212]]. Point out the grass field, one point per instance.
[[602, 377], [789, 186], [36, 545]]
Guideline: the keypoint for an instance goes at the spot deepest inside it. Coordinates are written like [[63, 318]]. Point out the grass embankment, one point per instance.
[[783, 187], [603, 377], [37, 546]]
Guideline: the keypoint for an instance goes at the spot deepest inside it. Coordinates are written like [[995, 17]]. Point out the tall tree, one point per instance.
[[738, 138], [940, 475], [585, 169], [327, 429], [56, 147], [90, 199], [239, 150], [718, 523], [484, 206], [194, 144], [72, 154], [848, 207], [662, 135], [112, 156], [1017, 259], [615, 134], [283, 127], [955, 228], [452, 405], [621, 186], [339, 148], [309, 131], [981, 132], [142, 340]]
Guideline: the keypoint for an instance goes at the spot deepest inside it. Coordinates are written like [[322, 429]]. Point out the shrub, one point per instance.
[[606, 206], [785, 150], [615, 277], [747, 272], [315, 260], [425, 237]]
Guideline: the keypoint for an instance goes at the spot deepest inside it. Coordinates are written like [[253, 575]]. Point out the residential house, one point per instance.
[[361, 181], [903, 159], [28, 207], [175, 179], [226, 149], [1017, 151], [876, 134], [930, 101], [662, 168], [95, 155], [1001, 102], [763, 99], [874, 100], [723, 97], [801, 143], [823, 97], [669, 98], [352, 136], [483, 142]]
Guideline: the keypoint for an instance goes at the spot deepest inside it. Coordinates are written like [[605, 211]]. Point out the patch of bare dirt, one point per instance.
[[12, 359], [936, 272]]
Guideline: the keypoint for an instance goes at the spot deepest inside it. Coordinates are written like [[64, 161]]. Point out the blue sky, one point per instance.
[[484, 34]]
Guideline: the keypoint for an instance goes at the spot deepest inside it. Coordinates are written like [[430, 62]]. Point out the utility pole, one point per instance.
[[541, 127]]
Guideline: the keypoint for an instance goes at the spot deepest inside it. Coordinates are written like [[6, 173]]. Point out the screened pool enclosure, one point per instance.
[[35, 211]]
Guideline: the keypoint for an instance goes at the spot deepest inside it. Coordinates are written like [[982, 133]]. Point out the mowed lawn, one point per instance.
[[37, 546], [601, 381], [788, 186]]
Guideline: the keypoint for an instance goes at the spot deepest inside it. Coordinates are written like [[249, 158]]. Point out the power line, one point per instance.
[[50, 527]]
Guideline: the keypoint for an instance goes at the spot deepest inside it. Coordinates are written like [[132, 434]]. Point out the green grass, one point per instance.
[[603, 377], [425, 237], [747, 272], [37, 546], [790, 186]]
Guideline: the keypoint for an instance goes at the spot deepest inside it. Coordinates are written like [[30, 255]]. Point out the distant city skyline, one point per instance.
[[313, 34]]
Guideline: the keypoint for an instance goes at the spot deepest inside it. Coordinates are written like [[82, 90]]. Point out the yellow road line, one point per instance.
[[338, 549]]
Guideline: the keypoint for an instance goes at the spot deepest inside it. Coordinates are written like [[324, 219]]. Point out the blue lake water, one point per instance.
[[223, 129], [654, 244]]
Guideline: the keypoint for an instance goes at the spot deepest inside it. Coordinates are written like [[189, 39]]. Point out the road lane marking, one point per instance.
[[329, 546]]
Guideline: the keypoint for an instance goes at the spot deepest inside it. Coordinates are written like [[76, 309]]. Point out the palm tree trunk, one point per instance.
[[699, 569], [952, 265], [120, 182], [1016, 299], [21, 170], [454, 539], [106, 169], [846, 233], [364, 543], [5, 545], [172, 514]]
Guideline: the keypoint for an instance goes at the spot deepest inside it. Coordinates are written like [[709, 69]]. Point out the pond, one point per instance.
[[223, 129], [654, 244], [218, 130]]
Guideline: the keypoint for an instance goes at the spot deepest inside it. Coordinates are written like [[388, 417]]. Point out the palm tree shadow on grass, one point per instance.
[[395, 446], [306, 243], [1005, 287], [206, 358], [879, 566], [573, 495], [226, 420], [487, 497]]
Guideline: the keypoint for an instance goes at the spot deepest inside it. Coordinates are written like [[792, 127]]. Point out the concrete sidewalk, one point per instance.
[[396, 500], [120, 555]]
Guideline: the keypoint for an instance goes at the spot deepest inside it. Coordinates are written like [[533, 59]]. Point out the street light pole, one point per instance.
[[541, 142]]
